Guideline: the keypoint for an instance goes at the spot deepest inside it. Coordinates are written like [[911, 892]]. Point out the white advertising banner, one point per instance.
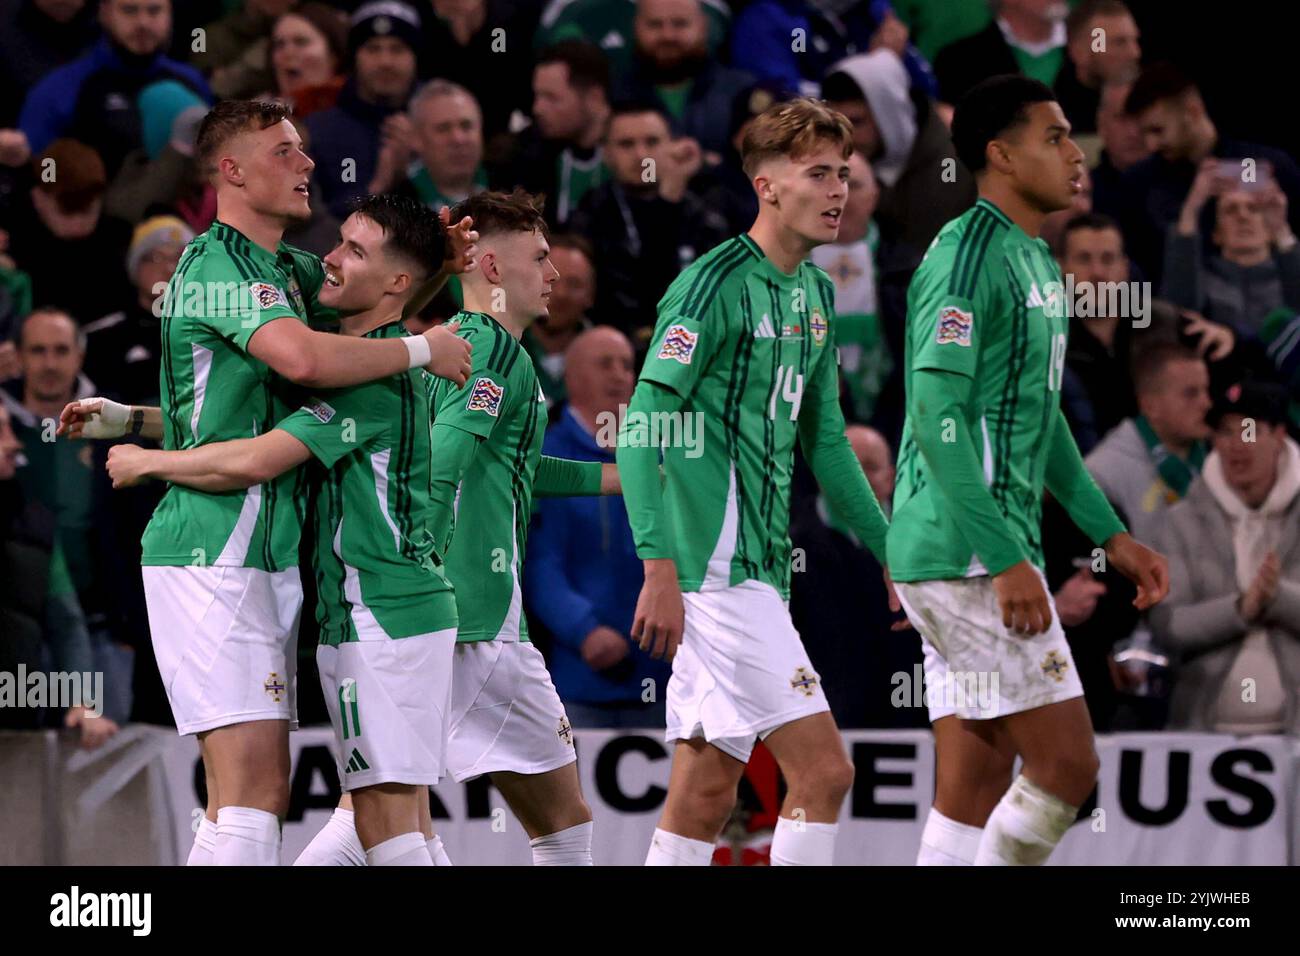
[[1162, 799]]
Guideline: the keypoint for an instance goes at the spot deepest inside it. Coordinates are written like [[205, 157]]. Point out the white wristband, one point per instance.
[[109, 422], [418, 346]]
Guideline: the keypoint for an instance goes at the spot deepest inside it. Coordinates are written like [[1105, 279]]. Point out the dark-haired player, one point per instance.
[[221, 570], [984, 436], [744, 345], [386, 610]]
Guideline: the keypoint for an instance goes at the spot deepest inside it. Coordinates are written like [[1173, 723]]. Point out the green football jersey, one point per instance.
[[502, 404], [745, 346], [377, 573], [987, 303], [224, 289]]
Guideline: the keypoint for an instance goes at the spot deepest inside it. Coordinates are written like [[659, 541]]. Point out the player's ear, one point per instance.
[[766, 189], [230, 171], [487, 267], [998, 156]]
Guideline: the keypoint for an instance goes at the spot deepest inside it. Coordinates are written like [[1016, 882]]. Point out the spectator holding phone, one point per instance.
[[1255, 266]]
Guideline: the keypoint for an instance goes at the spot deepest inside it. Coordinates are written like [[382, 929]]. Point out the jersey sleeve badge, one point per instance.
[[954, 326], [679, 344], [321, 411], [485, 396], [267, 295]]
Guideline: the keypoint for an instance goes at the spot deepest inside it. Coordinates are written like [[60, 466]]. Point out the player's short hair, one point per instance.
[[989, 110], [587, 63], [1082, 16], [227, 120], [412, 230], [1149, 364], [1155, 84], [495, 212], [794, 129], [576, 241], [1089, 220]]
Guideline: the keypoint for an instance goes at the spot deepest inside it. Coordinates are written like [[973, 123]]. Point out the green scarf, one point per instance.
[[1175, 472]]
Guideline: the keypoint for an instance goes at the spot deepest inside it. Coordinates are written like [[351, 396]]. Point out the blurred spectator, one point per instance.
[[484, 46], [309, 50], [1179, 131], [560, 155], [572, 296], [123, 348], [724, 187], [15, 302], [1100, 344], [1026, 36], [838, 599], [583, 577], [1280, 336], [1233, 610], [448, 137], [60, 474], [934, 24], [794, 42], [39, 617], [93, 99], [850, 261], [1256, 268], [365, 141], [1122, 145], [1102, 46], [645, 224], [39, 35], [922, 185], [1148, 462], [672, 65], [60, 237], [169, 180], [611, 25], [236, 47]]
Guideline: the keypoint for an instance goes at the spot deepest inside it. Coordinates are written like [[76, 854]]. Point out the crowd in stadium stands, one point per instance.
[[1181, 382]]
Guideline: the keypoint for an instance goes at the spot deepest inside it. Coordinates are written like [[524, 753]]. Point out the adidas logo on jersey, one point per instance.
[[765, 330], [356, 762], [1035, 297]]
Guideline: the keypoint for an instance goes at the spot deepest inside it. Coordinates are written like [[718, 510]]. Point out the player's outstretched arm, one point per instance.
[[101, 418], [324, 360], [936, 406], [1068, 480], [567, 478], [219, 466], [660, 614]]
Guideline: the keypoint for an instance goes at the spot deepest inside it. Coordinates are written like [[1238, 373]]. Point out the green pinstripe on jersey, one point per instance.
[[744, 345], [224, 289], [502, 404], [1001, 284], [377, 573]]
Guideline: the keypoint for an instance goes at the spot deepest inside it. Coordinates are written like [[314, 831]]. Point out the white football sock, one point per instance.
[[337, 843], [205, 838], [946, 842], [1024, 827], [246, 837], [571, 847], [669, 849], [409, 849], [438, 851], [803, 844]]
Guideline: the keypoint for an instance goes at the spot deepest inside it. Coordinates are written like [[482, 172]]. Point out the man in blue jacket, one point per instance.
[[94, 99], [582, 575]]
